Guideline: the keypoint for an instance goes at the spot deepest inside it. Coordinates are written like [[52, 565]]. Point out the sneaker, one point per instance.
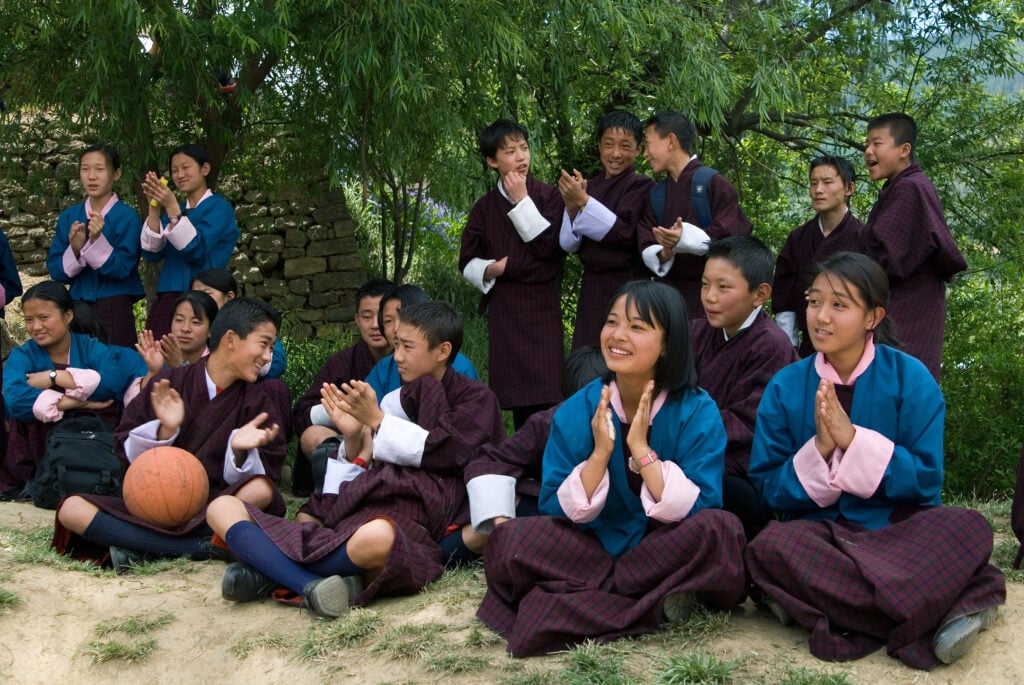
[[677, 608], [330, 597], [956, 638], [243, 583], [122, 559], [777, 610]]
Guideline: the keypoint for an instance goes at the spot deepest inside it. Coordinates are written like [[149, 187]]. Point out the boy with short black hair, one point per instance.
[[906, 233], [737, 349], [510, 252], [351, 363], [382, 531], [833, 229], [675, 221]]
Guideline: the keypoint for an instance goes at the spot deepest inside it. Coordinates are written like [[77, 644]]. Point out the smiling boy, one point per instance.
[[906, 233], [736, 350], [510, 252], [833, 229]]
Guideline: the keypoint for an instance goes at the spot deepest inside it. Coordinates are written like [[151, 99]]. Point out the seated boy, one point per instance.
[[833, 229], [380, 533], [737, 349], [351, 363], [214, 409]]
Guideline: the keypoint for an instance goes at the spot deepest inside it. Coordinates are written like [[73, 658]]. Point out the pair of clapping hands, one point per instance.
[[80, 232], [833, 426], [157, 353], [355, 413]]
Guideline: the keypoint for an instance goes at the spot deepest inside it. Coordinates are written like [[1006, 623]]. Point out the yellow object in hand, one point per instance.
[[153, 203]]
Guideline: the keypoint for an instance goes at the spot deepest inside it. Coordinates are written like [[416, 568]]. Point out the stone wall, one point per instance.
[[297, 249]]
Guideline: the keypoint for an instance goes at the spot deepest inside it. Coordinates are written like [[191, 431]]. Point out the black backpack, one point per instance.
[[698, 197], [79, 459]]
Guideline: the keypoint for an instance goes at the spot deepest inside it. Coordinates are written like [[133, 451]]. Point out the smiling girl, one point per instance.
[[631, 489], [848, 450], [95, 248], [199, 233]]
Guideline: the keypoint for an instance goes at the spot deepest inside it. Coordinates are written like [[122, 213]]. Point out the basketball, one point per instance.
[[166, 486]]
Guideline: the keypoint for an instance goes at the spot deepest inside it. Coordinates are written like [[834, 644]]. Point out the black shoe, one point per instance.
[[330, 597], [243, 583], [122, 559], [956, 638], [208, 550]]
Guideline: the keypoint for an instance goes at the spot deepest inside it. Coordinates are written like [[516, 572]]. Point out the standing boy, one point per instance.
[[906, 233], [833, 229], [736, 350], [382, 531], [510, 252], [673, 214], [351, 363], [599, 222]]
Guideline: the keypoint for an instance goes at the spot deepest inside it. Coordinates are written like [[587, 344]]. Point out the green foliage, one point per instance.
[[698, 669]]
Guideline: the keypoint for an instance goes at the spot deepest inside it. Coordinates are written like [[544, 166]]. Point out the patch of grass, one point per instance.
[[997, 511], [703, 626], [455, 588], [481, 636], [698, 669], [8, 600], [101, 651], [808, 676], [250, 642], [32, 546], [1003, 555], [453, 664], [594, 664], [410, 641], [326, 637], [154, 567], [135, 625], [530, 677]]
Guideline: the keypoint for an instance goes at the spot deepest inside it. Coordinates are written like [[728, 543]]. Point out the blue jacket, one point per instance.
[[384, 376]]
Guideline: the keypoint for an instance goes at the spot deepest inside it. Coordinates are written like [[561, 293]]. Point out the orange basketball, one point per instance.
[[166, 486]]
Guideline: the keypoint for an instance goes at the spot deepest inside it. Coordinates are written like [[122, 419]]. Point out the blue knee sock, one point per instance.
[[337, 563], [107, 530], [251, 545]]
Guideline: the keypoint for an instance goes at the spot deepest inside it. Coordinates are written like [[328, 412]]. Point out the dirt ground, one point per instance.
[[46, 636]]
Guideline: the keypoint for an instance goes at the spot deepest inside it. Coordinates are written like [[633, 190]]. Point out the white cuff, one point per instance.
[[252, 466], [399, 442], [150, 241], [594, 221], [654, 263], [568, 240], [527, 219], [339, 471], [693, 240], [490, 496], [318, 417], [787, 322], [143, 437], [474, 273], [182, 234]]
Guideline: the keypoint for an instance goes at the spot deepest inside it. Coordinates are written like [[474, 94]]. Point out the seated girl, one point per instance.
[[631, 488], [60, 369], [848, 450]]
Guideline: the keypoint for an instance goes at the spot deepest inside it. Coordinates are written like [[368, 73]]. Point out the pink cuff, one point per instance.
[[573, 497], [133, 390], [86, 381], [182, 234], [863, 465], [677, 498], [150, 241], [72, 265], [45, 406], [97, 253], [816, 475]]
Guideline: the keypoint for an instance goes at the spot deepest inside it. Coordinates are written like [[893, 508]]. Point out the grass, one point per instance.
[[482, 636], [248, 643], [410, 641], [594, 664], [8, 600], [454, 664], [698, 668], [808, 676], [135, 625], [100, 651], [138, 644], [329, 637], [32, 546], [455, 588]]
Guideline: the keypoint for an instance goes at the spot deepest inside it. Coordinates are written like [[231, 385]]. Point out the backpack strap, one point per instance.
[[658, 202], [699, 195]]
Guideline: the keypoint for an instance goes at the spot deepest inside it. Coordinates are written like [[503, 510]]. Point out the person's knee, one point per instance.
[[474, 541], [224, 512], [258, 492], [312, 437], [76, 513], [371, 544]]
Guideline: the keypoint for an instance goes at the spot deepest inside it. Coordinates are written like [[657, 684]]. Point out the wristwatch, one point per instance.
[[636, 464], [53, 381]]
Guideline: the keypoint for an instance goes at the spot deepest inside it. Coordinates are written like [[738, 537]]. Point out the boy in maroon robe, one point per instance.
[[736, 350], [385, 529], [510, 252], [599, 222], [354, 362], [214, 409], [906, 233], [833, 229], [670, 137]]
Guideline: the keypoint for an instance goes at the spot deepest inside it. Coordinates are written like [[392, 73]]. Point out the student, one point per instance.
[[351, 363], [95, 248], [906, 233], [213, 409], [599, 222], [848, 450], [736, 350], [197, 234], [503, 480], [380, 534], [670, 138], [510, 252], [632, 479], [384, 376], [833, 229], [59, 369], [10, 288]]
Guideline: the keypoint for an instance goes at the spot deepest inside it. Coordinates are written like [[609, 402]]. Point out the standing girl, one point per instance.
[[95, 249], [632, 489], [197, 234], [848, 450]]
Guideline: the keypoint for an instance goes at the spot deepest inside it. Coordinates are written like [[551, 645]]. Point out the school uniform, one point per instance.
[[603, 235], [906, 233], [523, 305], [727, 218], [430, 430], [805, 246], [102, 372], [866, 556], [106, 272], [384, 376], [203, 238], [601, 568]]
